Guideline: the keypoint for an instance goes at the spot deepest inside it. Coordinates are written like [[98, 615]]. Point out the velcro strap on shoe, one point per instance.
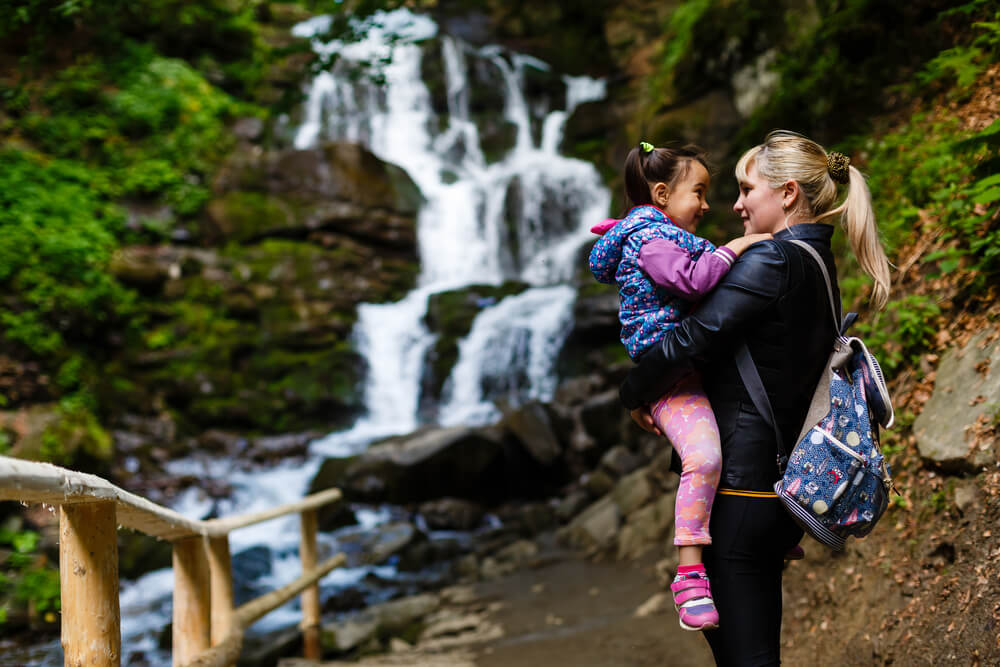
[[689, 589]]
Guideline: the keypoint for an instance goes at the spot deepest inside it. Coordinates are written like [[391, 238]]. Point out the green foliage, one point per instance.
[[26, 578], [903, 332], [57, 234], [966, 62]]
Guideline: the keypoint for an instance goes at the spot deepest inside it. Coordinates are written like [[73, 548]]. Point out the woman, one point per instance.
[[774, 299]]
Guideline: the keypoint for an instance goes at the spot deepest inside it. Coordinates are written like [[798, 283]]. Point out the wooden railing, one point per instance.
[[208, 629]]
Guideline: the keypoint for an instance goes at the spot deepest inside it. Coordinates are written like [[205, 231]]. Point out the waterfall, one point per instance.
[[522, 217]]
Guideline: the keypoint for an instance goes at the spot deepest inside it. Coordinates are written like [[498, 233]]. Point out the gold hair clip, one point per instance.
[[837, 164]]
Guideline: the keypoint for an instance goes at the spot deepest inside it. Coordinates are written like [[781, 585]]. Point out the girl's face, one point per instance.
[[759, 205], [687, 201]]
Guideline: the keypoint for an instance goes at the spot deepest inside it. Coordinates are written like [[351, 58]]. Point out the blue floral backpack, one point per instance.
[[835, 483]]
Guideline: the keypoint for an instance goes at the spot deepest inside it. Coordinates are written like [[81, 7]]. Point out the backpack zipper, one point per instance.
[[840, 445]]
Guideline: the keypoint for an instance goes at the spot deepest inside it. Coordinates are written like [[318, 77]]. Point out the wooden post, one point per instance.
[[88, 574], [310, 596], [192, 599], [220, 565]]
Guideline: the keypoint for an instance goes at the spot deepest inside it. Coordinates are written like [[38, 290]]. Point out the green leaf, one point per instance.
[[989, 196]]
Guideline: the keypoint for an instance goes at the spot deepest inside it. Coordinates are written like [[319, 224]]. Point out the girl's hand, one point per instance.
[[739, 245], [645, 421]]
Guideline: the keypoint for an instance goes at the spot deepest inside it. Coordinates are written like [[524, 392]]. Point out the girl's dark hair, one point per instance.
[[666, 165]]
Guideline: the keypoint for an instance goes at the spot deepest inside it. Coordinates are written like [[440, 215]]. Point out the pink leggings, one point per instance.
[[686, 418]]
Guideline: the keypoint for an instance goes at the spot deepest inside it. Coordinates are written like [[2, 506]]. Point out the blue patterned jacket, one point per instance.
[[646, 310]]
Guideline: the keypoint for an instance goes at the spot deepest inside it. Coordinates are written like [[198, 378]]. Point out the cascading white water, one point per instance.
[[464, 232]]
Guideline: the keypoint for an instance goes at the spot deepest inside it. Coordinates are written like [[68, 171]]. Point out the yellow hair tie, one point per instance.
[[646, 147]]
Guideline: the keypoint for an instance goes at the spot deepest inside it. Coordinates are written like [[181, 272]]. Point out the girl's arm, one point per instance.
[[671, 267], [754, 282]]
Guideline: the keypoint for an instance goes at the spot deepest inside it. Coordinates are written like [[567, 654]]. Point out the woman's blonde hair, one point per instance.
[[786, 156]]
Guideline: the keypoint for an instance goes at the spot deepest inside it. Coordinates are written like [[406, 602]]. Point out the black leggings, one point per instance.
[[749, 539]]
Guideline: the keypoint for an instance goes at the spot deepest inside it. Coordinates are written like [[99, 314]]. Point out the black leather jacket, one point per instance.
[[775, 299]]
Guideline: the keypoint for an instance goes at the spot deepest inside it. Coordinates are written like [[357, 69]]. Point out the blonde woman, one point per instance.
[[775, 299]]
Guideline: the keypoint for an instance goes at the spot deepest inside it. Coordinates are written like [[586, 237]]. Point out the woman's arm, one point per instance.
[[756, 280]]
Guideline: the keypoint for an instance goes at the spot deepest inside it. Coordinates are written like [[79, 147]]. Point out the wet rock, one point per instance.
[[595, 528], [347, 634], [146, 267], [646, 528], [377, 545], [450, 315], [531, 425], [633, 491], [50, 432], [470, 463], [572, 505], [340, 187], [248, 567], [602, 417], [394, 618], [619, 461], [275, 448], [139, 553], [451, 514], [265, 650], [966, 389], [425, 553], [345, 599], [527, 518], [598, 483]]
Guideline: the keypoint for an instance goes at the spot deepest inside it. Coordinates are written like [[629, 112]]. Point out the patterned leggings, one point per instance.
[[686, 418]]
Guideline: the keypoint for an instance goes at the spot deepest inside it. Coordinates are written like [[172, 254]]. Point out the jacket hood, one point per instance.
[[607, 252]]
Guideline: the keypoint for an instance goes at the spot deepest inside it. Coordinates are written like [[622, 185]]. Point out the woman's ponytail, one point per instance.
[[858, 219]]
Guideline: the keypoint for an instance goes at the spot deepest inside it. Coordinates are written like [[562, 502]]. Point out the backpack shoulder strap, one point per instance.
[[834, 306], [758, 395]]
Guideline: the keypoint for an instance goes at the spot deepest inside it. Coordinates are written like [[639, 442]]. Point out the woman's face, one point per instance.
[[759, 204]]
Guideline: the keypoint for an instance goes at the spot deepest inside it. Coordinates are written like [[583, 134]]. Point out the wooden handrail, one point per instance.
[[208, 632], [34, 482]]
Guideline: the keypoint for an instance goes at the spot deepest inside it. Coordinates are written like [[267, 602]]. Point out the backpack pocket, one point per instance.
[[821, 470]]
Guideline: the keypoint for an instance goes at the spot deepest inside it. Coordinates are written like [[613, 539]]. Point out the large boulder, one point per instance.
[[339, 187], [460, 462], [531, 425], [966, 391]]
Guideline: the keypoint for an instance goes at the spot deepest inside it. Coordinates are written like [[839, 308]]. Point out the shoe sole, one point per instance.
[[690, 628]]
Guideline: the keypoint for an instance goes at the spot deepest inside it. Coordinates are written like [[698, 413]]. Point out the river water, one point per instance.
[[470, 231]]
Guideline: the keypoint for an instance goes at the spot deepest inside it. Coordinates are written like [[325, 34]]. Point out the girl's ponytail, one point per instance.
[[858, 220], [636, 186]]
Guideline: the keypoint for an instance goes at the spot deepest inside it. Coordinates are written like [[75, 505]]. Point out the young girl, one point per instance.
[[661, 267]]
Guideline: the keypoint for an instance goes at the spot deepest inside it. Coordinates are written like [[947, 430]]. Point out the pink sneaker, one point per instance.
[[694, 603]]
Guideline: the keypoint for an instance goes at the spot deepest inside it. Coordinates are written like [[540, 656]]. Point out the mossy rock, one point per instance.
[[65, 434], [450, 315]]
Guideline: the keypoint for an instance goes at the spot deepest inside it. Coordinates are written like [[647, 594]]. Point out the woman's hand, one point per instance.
[[645, 421]]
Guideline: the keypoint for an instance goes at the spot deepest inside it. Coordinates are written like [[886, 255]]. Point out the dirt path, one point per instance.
[[581, 614], [567, 612]]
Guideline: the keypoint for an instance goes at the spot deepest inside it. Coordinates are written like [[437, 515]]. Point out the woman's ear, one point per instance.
[[660, 193], [790, 195]]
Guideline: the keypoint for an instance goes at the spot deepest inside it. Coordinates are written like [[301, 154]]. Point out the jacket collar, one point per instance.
[[807, 231]]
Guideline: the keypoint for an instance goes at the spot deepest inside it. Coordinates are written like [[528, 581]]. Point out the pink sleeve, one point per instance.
[[671, 267]]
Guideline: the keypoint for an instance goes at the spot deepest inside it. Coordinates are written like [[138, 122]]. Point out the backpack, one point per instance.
[[835, 483]]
